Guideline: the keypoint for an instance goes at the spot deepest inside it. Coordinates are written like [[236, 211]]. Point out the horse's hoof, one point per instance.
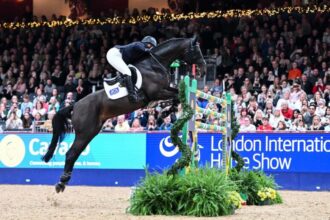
[[59, 187]]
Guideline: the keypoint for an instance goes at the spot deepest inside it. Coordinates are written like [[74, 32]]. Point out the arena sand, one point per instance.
[[94, 203]]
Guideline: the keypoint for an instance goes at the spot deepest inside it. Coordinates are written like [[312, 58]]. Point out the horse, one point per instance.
[[89, 114]]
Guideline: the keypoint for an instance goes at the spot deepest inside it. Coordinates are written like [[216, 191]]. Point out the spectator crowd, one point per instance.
[[277, 69]]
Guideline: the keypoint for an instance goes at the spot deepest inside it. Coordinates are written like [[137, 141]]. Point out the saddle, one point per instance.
[[115, 86]]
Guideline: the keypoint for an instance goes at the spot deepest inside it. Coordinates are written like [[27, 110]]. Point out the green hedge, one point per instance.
[[202, 193]]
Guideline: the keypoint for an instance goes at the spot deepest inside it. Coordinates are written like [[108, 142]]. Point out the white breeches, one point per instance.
[[115, 59]]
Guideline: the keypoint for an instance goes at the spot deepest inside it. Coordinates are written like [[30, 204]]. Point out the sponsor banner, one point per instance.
[[278, 152], [106, 151], [162, 154]]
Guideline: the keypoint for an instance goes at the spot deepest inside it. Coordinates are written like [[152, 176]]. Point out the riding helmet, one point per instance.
[[149, 40]]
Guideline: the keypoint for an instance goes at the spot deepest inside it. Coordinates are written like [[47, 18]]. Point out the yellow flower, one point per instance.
[[267, 193], [235, 199]]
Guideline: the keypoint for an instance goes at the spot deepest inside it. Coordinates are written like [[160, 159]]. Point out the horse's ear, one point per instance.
[[194, 40]]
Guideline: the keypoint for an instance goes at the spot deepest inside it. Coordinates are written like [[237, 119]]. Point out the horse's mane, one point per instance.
[[164, 44]]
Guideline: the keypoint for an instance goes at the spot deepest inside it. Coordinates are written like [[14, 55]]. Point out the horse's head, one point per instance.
[[193, 54], [186, 49]]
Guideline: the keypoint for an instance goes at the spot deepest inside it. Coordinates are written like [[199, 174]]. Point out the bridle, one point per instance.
[[188, 53]]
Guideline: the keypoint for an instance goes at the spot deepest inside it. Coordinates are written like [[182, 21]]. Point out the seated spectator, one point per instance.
[[14, 122], [241, 119], [81, 90], [69, 85], [269, 106], [20, 87], [151, 125], [233, 94], [285, 98], [122, 124], [26, 103], [296, 114], [325, 118], [318, 86], [8, 91], [281, 126], [142, 115], [39, 96], [321, 108], [295, 93], [108, 125], [48, 123], [69, 98], [178, 113], [248, 85], [14, 108], [39, 108], [301, 100], [252, 106], [306, 85], [3, 112], [49, 87], [262, 97], [276, 118], [136, 125], [56, 95], [203, 102], [247, 126], [275, 85], [167, 125], [53, 105], [299, 125], [286, 111], [216, 88], [246, 95], [268, 113], [309, 113], [316, 125], [285, 86], [4, 101], [38, 120], [265, 126], [295, 72], [32, 85], [317, 97], [258, 117], [27, 120]]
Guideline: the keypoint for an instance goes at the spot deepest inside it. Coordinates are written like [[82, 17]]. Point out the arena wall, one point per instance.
[[298, 161]]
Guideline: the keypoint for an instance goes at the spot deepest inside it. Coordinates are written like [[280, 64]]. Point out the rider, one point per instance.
[[121, 55]]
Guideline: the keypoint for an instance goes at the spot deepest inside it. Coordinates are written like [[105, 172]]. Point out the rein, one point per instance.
[[159, 63]]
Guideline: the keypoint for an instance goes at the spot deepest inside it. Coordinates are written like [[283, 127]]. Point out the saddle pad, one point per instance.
[[117, 91]]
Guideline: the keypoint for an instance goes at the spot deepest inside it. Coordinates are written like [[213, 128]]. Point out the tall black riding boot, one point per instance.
[[132, 94]]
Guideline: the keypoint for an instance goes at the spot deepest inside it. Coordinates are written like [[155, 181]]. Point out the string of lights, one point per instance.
[[168, 17]]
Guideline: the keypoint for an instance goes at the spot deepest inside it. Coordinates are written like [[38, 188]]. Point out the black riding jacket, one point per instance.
[[133, 52]]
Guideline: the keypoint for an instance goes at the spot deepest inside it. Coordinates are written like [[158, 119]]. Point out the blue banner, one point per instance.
[[115, 151], [278, 152]]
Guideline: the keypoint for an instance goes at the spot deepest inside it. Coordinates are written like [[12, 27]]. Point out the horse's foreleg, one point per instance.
[[78, 146], [168, 93]]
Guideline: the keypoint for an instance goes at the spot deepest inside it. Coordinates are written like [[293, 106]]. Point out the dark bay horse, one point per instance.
[[89, 114]]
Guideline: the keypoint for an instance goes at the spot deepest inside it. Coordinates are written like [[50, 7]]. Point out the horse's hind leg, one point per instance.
[[80, 143]]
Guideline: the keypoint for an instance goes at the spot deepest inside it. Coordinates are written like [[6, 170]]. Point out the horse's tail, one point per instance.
[[60, 125]]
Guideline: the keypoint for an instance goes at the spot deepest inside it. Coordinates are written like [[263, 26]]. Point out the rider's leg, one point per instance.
[[115, 59]]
